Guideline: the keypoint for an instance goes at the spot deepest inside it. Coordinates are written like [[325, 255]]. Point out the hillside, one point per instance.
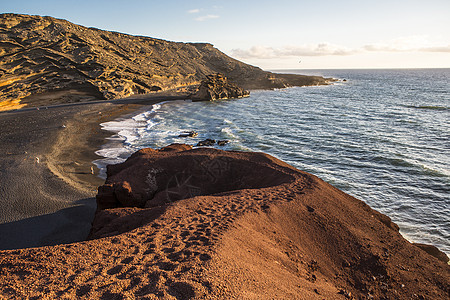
[[182, 223], [44, 58]]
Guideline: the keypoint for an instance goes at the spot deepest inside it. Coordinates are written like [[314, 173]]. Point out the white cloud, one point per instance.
[[436, 49], [303, 50], [206, 17], [407, 44], [402, 44], [193, 11]]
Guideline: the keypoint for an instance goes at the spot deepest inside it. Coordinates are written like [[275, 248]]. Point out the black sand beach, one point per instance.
[[47, 191]]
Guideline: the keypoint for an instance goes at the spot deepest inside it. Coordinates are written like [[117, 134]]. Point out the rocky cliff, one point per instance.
[[44, 58]]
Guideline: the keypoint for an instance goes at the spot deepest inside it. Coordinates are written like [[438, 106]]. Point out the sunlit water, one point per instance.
[[382, 136]]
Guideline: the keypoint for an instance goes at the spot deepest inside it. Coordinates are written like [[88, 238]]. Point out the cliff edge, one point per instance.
[[183, 223]]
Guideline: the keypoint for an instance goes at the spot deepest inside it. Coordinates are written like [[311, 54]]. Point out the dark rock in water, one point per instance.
[[222, 142], [216, 87], [432, 250], [205, 143], [344, 80], [189, 134]]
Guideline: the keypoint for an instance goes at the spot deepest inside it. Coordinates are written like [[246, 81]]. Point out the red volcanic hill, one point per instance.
[[182, 223]]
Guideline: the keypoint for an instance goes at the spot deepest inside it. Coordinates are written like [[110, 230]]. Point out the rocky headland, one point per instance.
[[46, 61], [183, 223]]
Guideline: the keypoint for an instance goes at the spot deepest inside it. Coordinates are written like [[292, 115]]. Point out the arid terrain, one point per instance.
[[204, 224], [46, 61]]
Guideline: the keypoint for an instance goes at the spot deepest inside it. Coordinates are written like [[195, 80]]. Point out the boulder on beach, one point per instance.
[[183, 223]]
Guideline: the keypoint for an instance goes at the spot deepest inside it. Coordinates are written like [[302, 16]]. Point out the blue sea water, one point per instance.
[[382, 136]]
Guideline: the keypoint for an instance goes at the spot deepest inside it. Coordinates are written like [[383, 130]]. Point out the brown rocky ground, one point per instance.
[[44, 58], [209, 224]]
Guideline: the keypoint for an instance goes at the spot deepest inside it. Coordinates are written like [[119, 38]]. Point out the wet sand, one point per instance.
[[47, 191]]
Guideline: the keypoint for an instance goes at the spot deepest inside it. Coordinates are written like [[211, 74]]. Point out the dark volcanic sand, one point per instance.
[[50, 201], [36, 207]]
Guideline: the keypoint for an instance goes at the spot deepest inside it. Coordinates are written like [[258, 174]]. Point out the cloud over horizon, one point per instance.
[[264, 52], [409, 44]]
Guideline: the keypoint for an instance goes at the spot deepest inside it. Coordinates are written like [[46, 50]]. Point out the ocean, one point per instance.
[[382, 136]]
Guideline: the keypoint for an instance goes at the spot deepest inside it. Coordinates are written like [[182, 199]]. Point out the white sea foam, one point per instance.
[[228, 132], [127, 133]]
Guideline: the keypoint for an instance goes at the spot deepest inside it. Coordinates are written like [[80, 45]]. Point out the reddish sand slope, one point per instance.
[[208, 224]]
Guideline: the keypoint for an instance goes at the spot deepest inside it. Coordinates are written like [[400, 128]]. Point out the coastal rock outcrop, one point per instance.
[[216, 87], [183, 223], [432, 250], [291, 230], [177, 172], [46, 61], [222, 142]]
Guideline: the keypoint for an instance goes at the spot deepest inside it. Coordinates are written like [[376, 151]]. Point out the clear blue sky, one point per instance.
[[278, 34]]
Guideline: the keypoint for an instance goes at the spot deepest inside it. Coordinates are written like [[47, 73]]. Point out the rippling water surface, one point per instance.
[[381, 135]]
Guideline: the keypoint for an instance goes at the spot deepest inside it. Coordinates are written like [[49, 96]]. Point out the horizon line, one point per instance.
[[362, 68]]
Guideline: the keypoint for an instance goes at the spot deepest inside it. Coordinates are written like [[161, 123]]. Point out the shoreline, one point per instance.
[[72, 156], [73, 153], [47, 194], [412, 239], [73, 150]]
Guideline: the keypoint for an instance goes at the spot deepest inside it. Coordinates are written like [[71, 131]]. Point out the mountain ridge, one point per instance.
[[48, 58]]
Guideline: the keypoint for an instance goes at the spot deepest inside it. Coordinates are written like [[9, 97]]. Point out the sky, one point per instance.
[[281, 34]]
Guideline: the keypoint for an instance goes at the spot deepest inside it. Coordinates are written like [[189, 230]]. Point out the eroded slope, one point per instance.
[[44, 58]]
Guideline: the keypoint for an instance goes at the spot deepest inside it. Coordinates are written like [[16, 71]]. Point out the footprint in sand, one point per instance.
[[127, 260], [115, 270], [83, 290]]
